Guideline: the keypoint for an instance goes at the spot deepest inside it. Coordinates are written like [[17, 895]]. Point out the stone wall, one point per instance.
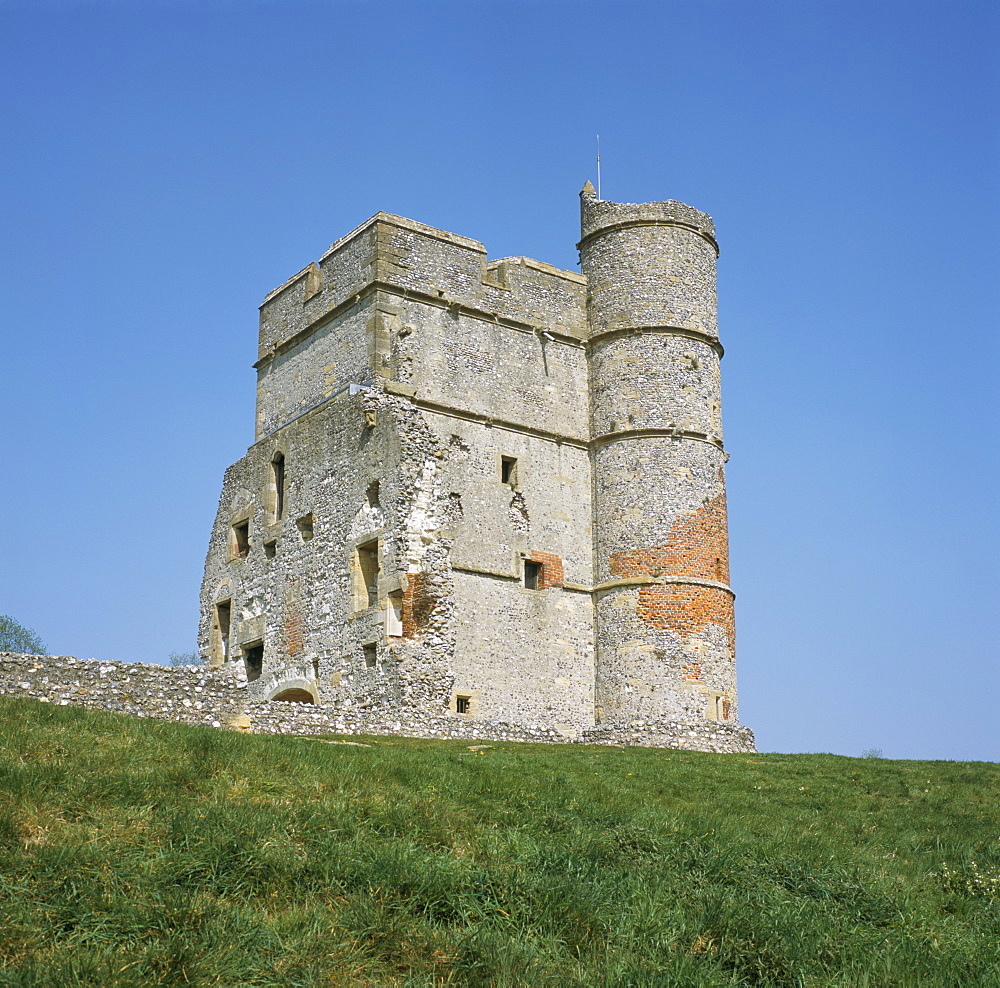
[[196, 695]]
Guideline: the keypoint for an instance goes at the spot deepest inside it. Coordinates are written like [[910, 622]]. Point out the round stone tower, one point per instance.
[[665, 633]]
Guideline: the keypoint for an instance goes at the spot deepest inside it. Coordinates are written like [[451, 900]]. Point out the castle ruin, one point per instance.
[[492, 490]]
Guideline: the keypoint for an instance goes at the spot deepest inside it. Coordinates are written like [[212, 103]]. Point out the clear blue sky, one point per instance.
[[164, 165]]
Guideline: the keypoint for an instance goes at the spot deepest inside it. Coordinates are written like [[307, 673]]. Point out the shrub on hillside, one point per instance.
[[15, 637]]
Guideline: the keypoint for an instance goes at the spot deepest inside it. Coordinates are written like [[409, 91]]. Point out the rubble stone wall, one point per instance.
[[196, 695]]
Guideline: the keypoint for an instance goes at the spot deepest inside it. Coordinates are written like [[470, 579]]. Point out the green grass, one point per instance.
[[135, 852]]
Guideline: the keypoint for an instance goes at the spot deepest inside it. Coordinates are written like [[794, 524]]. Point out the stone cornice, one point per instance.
[[624, 434], [634, 223], [603, 335], [647, 581]]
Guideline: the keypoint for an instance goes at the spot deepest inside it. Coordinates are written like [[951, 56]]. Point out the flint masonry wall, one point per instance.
[[502, 494], [665, 639], [197, 696]]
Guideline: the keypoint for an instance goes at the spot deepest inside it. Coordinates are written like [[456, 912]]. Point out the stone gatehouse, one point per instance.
[[491, 490]]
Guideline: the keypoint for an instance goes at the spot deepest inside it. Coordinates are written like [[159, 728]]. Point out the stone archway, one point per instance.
[[295, 695], [294, 690]]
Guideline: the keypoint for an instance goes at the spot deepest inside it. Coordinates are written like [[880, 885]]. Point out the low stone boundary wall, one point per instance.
[[196, 695]]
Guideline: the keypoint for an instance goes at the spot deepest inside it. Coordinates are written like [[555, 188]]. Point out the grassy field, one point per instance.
[[137, 852]]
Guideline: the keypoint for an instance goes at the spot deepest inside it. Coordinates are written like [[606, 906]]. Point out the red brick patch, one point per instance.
[[292, 630], [687, 609], [697, 545], [418, 604], [552, 569]]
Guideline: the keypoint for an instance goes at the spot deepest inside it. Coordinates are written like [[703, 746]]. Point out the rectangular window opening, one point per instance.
[[241, 540], [508, 470], [368, 569], [223, 618], [306, 526], [371, 656], [463, 704], [532, 574], [253, 660], [394, 615], [271, 549]]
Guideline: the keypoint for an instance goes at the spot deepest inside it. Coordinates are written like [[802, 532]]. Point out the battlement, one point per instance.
[[411, 259], [600, 216]]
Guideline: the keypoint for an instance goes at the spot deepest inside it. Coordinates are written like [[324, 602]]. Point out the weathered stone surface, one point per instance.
[[487, 491]]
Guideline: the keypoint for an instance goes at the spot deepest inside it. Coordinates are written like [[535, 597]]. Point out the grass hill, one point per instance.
[[135, 852]]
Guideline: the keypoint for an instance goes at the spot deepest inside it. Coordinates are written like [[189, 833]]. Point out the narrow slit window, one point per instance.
[[368, 571], [278, 471], [532, 574], [508, 470], [241, 540]]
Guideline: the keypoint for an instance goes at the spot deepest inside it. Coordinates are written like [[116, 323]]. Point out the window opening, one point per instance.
[[253, 660], [371, 656], [271, 549], [508, 470], [394, 615], [278, 471], [532, 574], [368, 566], [223, 618], [372, 495], [241, 540], [306, 526], [463, 704]]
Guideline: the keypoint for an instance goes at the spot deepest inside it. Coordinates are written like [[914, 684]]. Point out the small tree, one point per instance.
[[184, 659], [15, 637]]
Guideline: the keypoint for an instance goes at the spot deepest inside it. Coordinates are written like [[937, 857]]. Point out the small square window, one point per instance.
[[463, 704], [532, 575], [508, 470]]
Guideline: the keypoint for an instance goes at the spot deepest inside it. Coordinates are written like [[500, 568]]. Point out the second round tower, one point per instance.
[[665, 627]]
